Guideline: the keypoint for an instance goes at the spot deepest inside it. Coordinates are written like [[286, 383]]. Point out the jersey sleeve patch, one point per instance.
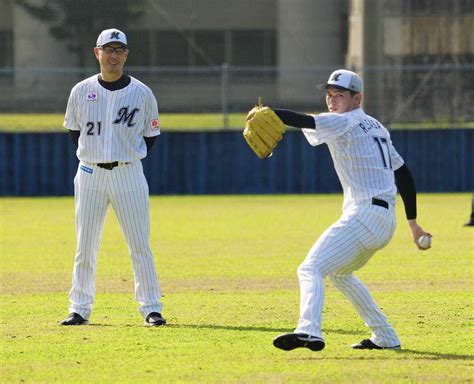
[[155, 124]]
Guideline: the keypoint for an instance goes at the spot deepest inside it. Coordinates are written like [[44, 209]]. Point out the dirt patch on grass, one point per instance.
[[18, 283], [231, 285]]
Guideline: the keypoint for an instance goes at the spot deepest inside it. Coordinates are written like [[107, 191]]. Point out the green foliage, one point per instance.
[[227, 266]]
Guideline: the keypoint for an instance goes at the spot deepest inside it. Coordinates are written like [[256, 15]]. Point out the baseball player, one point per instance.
[[470, 223], [368, 166], [113, 120]]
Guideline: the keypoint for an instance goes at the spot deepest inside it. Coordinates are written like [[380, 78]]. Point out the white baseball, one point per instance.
[[424, 241]]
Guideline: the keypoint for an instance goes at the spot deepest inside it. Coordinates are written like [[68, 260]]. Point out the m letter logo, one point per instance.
[[336, 76], [123, 117], [115, 35]]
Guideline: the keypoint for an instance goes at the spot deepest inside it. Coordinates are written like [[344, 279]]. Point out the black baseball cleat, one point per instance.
[[154, 319], [74, 319], [368, 344], [290, 341]]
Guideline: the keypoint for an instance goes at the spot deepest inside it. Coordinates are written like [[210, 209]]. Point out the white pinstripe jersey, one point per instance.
[[112, 123], [363, 155]]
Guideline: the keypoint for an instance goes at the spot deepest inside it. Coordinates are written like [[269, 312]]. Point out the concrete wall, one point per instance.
[[309, 34], [430, 35], [6, 20]]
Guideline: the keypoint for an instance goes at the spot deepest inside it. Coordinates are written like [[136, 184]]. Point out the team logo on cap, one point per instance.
[[114, 35], [92, 96], [336, 77]]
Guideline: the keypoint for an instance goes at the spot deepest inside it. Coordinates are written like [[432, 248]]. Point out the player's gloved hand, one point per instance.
[[263, 130], [252, 112]]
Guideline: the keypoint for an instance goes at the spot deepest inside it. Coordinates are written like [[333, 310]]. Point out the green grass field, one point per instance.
[[11, 122], [227, 266], [53, 122]]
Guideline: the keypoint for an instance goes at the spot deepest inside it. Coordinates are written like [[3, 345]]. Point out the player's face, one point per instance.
[[112, 58], [340, 101]]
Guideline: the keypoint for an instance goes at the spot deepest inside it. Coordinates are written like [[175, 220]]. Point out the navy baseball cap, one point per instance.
[[345, 80], [112, 35]]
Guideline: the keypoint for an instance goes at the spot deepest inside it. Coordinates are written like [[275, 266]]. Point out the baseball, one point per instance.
[[424, 242]]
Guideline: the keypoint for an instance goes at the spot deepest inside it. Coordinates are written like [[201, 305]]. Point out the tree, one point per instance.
[[78, 22]]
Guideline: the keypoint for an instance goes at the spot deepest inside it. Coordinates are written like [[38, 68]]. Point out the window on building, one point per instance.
[[202, 48], [6, 47], [6, 56], [171, 48], [253, 48], [430, 7], [427, 7], [141, 49], [208, 48]]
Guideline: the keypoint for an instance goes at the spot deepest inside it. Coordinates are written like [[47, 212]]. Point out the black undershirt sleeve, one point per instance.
[[75, 137], [295, 119], [149, 141], [406, 187]]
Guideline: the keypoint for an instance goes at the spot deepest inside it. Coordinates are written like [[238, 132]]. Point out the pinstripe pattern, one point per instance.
[[116, 142], [124, 187], [355, 141], [364, 159], [357, 293]]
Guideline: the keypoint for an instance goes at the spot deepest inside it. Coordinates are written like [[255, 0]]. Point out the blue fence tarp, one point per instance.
[[43, 164]]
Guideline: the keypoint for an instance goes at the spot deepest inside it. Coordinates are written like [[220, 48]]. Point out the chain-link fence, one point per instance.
[[210, 57], [394, 94]]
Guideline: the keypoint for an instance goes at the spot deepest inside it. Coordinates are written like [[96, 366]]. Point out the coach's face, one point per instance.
[[340, 101], [112, 58]]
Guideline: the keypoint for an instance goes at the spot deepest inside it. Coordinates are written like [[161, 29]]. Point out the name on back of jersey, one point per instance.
[[366, 125]]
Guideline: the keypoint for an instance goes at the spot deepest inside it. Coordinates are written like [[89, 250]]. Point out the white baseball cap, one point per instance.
[[112, 35], [344, 79]]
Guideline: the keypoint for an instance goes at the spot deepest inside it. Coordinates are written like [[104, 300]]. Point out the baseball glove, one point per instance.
[[263, 130]]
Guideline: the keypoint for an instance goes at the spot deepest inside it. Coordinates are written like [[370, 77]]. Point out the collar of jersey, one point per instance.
[[115, 85]]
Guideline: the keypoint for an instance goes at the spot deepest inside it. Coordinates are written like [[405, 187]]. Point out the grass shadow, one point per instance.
[[253, 328], [389, 355], [437, 356], [230, 327]]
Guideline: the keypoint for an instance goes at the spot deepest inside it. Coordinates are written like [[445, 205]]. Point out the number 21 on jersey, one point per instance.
[[93, 129]]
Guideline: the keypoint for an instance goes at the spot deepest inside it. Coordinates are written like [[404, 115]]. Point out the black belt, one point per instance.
[[380, 203], [109, 166]]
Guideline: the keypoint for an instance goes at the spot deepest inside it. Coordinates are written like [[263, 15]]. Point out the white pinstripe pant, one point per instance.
[[126, 189], [343, 248]]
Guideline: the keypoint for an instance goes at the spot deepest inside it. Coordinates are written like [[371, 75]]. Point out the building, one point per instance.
[[173, 38], [212, 55], [416, 57]]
